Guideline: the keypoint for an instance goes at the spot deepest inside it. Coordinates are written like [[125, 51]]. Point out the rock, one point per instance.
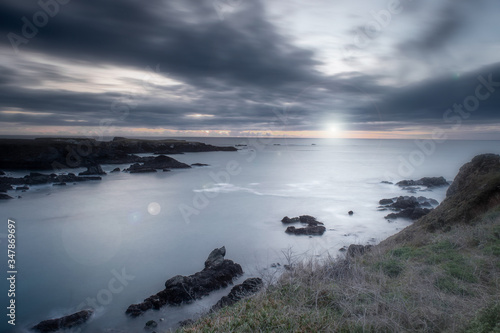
[[151, 324], [309, 230], [59, 184], [22, 188], [216, 257], [426, 181], [153, 163], [343, 249], [386, 201], [5, 187], [386, 182], [408, 207], [186, 322], [357, 250], [66, 322], [116, 170], [185, 289], [4, 196], [247, 288], [288, 220], [2, 173], [351, 212], [93, 170], [470, 173], [199, 164]]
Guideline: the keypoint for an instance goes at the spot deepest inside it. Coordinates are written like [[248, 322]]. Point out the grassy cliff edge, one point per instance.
[[441, 274]]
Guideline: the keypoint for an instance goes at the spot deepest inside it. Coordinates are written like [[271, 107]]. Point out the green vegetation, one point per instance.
[[446, 282]]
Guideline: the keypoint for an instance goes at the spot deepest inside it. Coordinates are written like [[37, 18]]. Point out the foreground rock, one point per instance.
[[355, 250], [408, 207], [35, 178], [218, 273], [53, 325], [247, 288]]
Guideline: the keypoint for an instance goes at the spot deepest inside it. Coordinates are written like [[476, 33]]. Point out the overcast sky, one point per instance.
[[320, 68]]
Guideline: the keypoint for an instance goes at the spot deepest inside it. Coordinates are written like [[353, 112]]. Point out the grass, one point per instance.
[[448, 281]]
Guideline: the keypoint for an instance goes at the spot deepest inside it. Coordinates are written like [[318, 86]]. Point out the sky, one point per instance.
[[334, 69]]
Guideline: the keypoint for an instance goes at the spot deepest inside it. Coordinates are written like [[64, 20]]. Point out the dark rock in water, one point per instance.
[[426, 181], [310, 220], [386, 182], [386, 201], [151, 324], [247, 288], [141, 170], [166, 170], [93, 170], [22, 188], [218, 273], [357, 250], [351, 212], [288, 220], [343, 249], [59, 184], [408, 207], [4, 196], [154, 163], [2, 173], [216, 257], [66, 322], [5, 187], [199, 164], [186, 322], [309, 230], [116, 170]]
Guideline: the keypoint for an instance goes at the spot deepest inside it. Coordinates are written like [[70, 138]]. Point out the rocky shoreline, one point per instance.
[[57, 154]]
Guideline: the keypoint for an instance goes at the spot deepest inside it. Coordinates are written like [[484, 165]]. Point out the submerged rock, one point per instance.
[[4, 196], [218, 273], [66, 322]]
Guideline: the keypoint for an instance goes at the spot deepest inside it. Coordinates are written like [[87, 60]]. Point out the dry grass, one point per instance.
[[439, 282]]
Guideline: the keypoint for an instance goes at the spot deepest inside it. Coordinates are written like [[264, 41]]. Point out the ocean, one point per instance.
[[111, 243]]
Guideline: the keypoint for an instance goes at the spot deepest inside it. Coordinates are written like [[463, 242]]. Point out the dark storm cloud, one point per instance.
[[240, 70], [186, 37]]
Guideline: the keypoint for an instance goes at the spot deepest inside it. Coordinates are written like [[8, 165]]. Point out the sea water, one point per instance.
[[111, 243]]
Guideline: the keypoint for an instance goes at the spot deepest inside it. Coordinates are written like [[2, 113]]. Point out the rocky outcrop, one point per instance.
[[218, 273], [4, 196], [309, 230], [474, 191], [408, 207], [426, 181], [307, 219], [93, 170], [116, 170], [53, 325], [355, 250], [423, 184], [35, 178], [151, 164], [57, 153], [314, 227], [247, 288]]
